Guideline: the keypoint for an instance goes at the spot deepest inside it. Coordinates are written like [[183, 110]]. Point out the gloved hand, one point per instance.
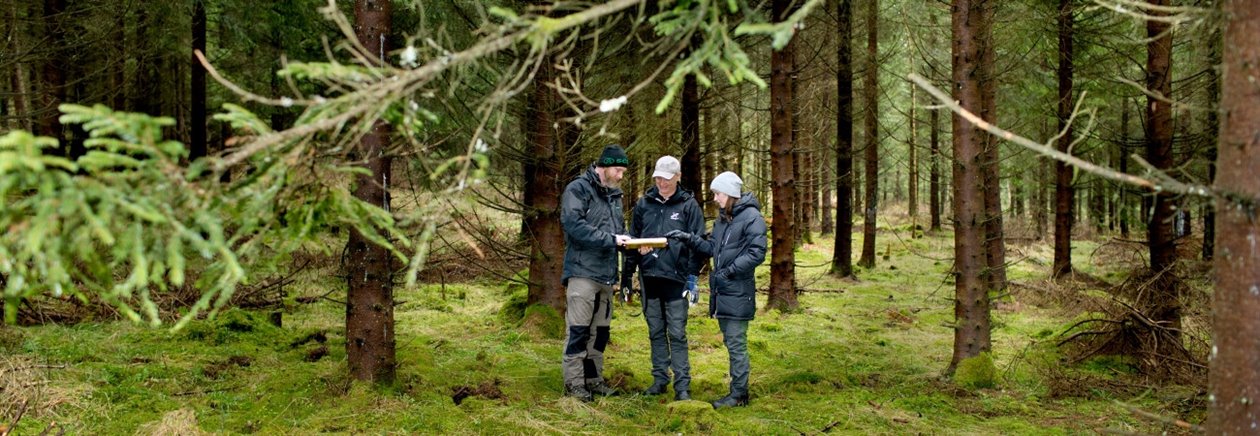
[[691, 292], [684, 237]]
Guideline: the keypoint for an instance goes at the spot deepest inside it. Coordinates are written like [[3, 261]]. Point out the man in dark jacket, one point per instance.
[[590, 211], [664, 273], [737, 245]]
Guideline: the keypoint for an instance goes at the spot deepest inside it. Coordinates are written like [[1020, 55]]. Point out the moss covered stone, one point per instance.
[[976, 372]]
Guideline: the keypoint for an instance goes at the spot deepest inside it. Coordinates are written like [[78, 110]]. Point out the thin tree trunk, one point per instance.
[[53, 79], [1213, 131], [1234, 377], [1064, 193], [782, 253], [871, 88], [913, 182], [1159, 152], [934, 175], [1125, 206], [972, 330], [690, 119], [370, 306], [197, 146], [842, 254]]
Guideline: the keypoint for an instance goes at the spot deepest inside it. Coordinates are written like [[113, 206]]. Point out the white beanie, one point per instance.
[[728, 183]]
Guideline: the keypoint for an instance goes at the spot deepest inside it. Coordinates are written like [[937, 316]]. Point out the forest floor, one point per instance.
[[861, 357]]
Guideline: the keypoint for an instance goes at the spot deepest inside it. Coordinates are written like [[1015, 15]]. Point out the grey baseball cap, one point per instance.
[[667, 167]]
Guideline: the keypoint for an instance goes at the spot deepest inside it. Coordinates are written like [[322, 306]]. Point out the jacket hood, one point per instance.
[[747, 200], [593, 178]]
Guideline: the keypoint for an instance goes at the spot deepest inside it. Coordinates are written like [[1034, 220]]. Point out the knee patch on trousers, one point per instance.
[[578, 334], [601, 338]]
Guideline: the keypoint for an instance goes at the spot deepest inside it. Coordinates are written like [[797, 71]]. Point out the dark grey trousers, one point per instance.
[[667, 332], [735, 335]]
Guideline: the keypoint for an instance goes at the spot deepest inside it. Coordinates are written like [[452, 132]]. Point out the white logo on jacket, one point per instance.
[[676, 216]]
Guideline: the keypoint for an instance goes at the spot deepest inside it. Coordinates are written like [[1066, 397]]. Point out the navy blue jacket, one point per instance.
[[654, 216], [737, 245], [591, 217]]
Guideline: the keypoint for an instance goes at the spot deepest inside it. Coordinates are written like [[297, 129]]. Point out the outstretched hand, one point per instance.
[[684, 237]]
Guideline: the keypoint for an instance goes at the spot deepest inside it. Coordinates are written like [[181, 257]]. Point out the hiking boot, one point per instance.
[[682, 396], [579, 392], [597, 386], [731, 400], [655, 389]]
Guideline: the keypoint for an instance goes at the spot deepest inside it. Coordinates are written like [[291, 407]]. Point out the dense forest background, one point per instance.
[[209, 154]]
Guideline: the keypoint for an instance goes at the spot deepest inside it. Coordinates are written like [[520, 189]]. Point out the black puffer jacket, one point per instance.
[[737, 245], [652, 218], [591, 216]]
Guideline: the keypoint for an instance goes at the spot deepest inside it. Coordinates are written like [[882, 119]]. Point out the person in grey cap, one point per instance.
[[594, 228], [737, 245], [664, 272]]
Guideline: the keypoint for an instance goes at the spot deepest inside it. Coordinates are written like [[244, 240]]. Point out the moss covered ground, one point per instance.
[[861, 357]]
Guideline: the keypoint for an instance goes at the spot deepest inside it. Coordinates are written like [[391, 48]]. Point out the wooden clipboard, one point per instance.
[[647, 242]]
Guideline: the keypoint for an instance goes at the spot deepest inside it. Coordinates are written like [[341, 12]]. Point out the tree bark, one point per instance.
[[782, 253], [934, 175], [972, 330], [20, 80], [1213, 131], [1125, 206], [53, 79], [543, 185], [1064, 192], [994, 235], [912, 182], [690, 119], [1159, 152], [370, 306], [842, 254], [1234, 376], [197, 145], [871, 91]]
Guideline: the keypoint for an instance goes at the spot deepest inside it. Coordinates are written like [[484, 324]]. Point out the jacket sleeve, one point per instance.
[[573, 218], [630, 258], [695, 226], [755, 253]]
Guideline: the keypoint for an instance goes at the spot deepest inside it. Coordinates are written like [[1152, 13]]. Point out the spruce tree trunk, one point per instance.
[[543, 185], [1064, 193], [994, 238], [972, 331], [934, 172], [912, 185], [1213, 131], [52, 81], [782, 249], [1159, 152], [1234, 376], [20, 79], [690, 119], [1125, 206], [871, 94], [842, 254], [370, 306], [197, 145]]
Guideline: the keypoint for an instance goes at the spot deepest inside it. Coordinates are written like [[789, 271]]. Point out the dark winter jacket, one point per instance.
[[737, 245], [654, 216], [591, 216]]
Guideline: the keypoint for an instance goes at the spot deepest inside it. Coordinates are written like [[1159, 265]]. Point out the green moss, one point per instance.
[[513, 310], [543, 320], [976, 372]]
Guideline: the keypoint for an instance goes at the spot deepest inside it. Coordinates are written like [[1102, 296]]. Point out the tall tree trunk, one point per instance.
[[1159, 152], [912, 187], [871, 91], [1064, 193], [197, 146], [994, 238], [1213, 131], [53, 79], [798, 156], [370, 305], [842, 254], [543, 186], [690, 119], [972, 330], [20, 79], [782, 253], [1234, 377], [1124, 208], [934, 172]]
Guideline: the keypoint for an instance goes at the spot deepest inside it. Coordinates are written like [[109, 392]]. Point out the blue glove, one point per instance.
[[691, 292]]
